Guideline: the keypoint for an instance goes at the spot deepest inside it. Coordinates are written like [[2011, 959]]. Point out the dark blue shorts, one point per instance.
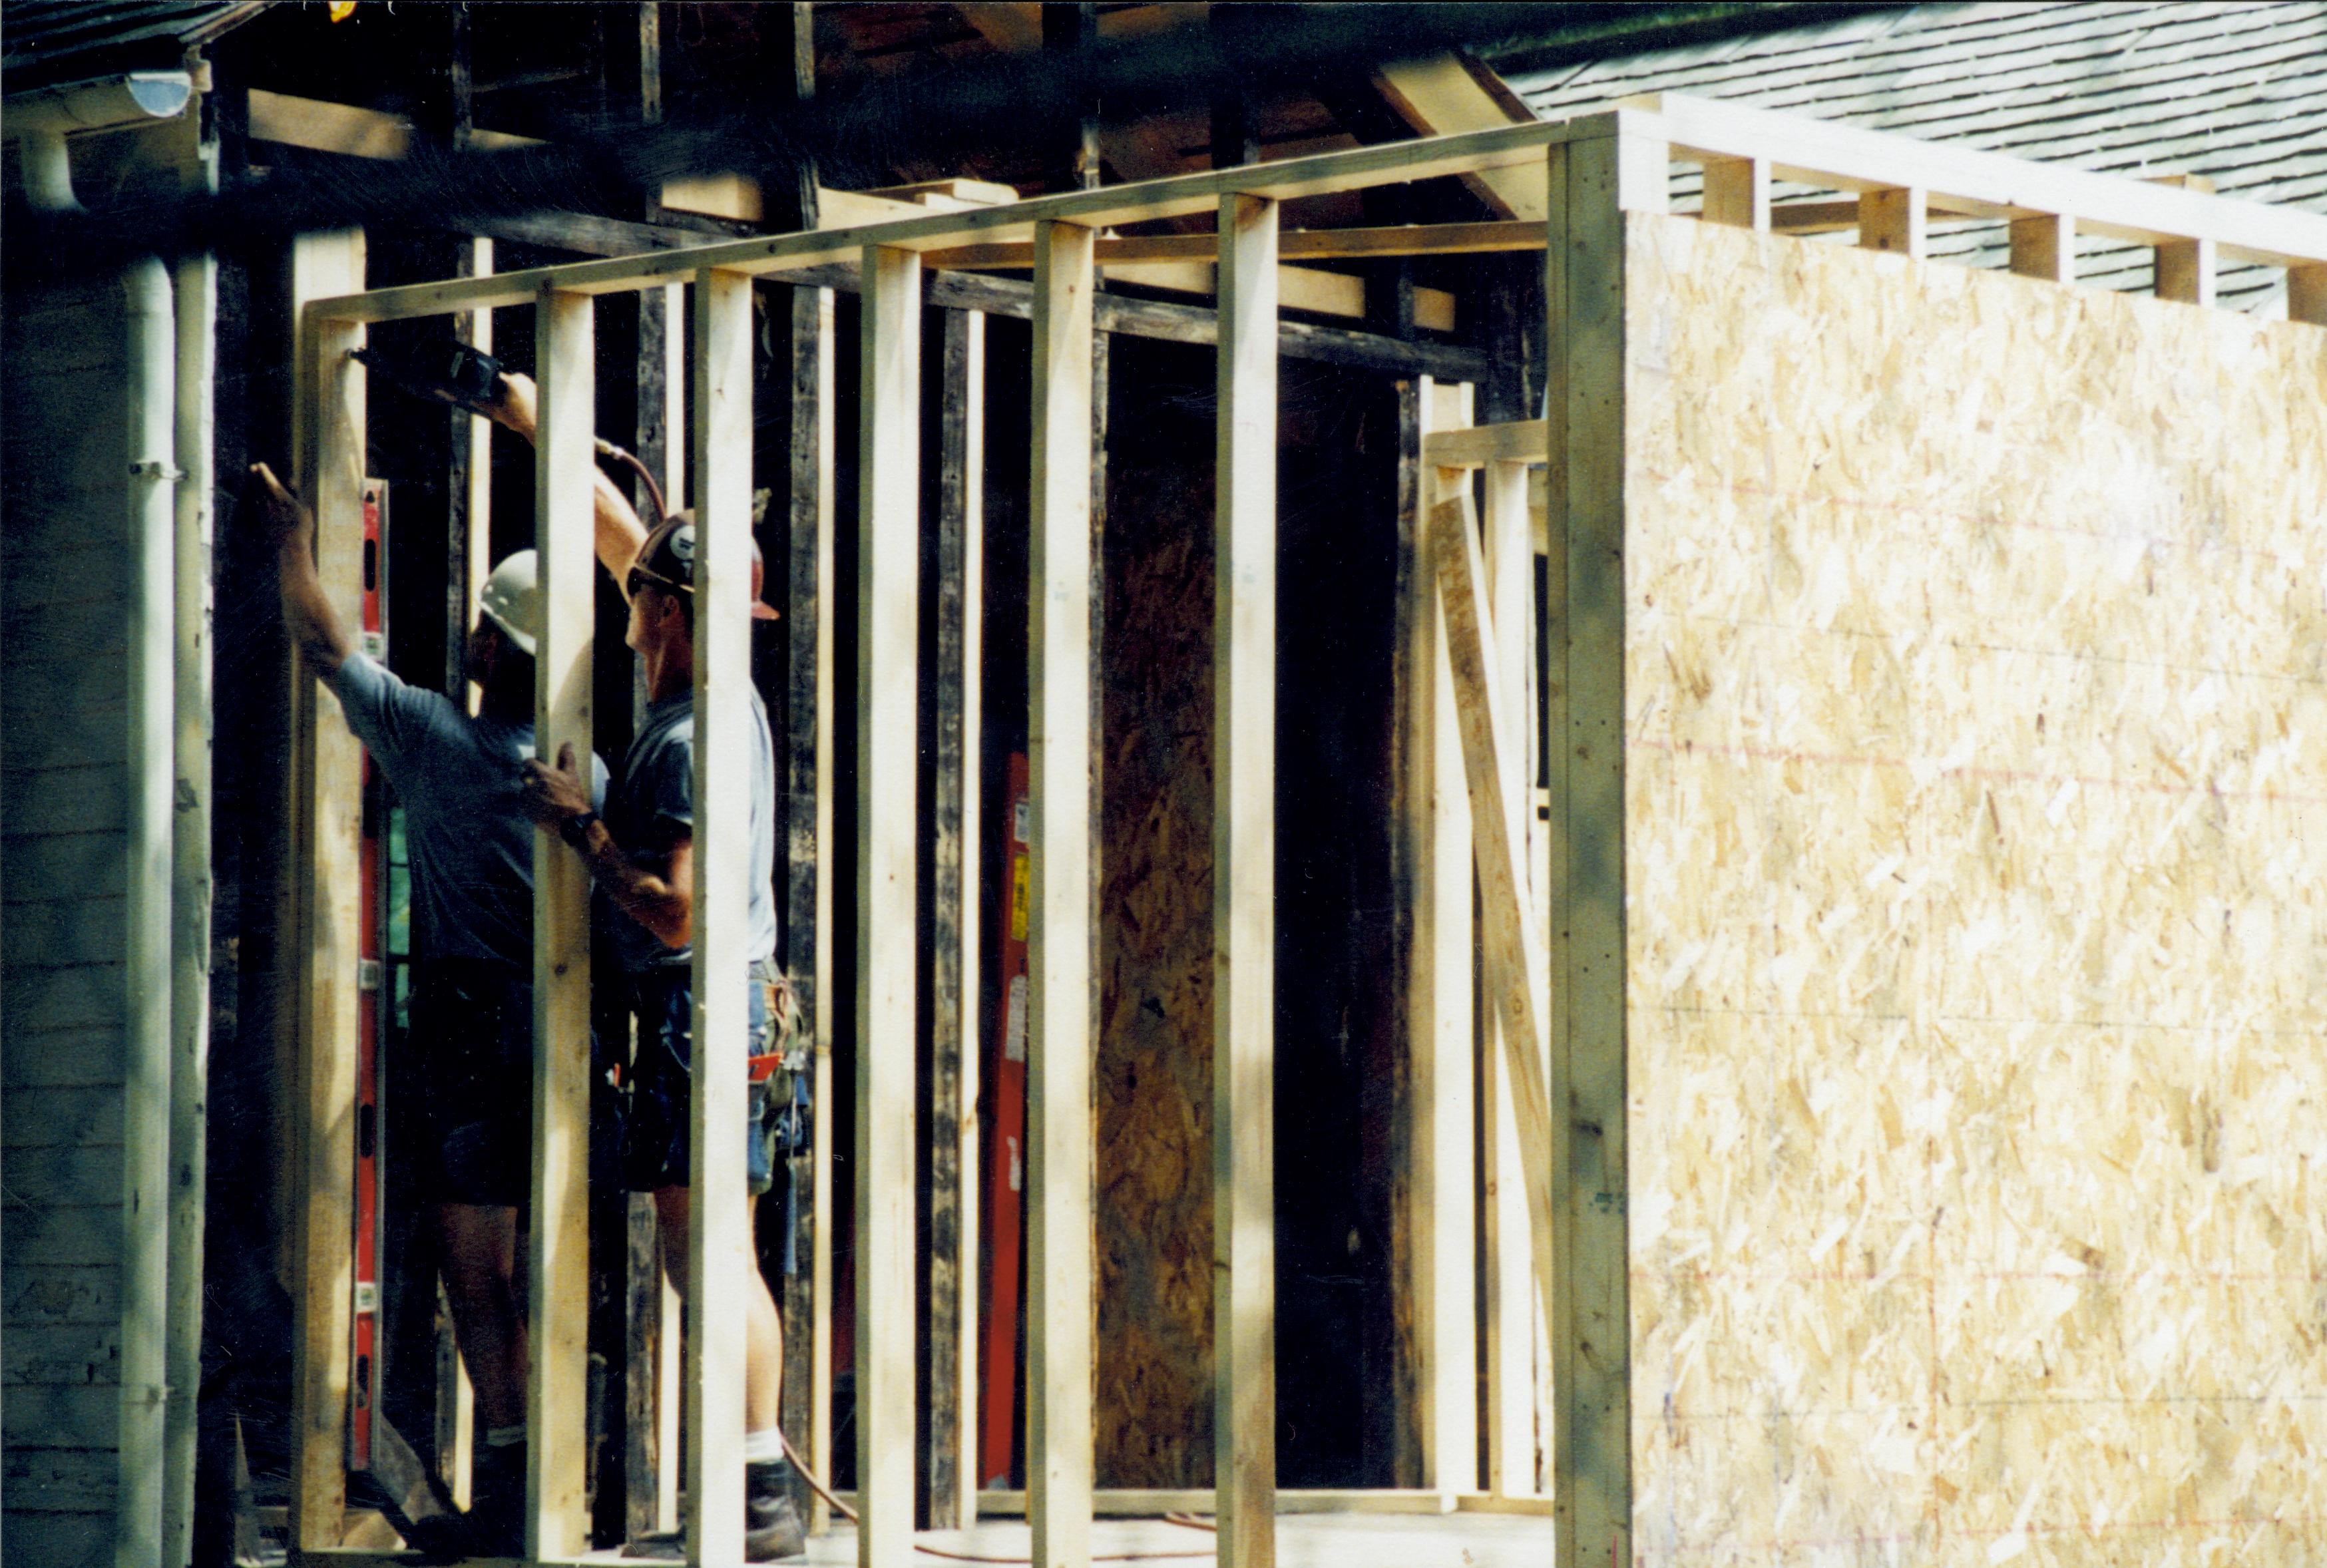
[[656, 1148], [471, 1041]]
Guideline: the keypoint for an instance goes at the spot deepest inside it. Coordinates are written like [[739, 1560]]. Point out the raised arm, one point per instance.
[[307, 614], [618, 530]]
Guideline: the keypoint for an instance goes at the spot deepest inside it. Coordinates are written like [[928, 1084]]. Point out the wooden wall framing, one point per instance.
[[565, 355], [1244, 890], [718, 1230], [1557, 1090], [327, 827], [1432, 838], [888, 624], [1062, 926]]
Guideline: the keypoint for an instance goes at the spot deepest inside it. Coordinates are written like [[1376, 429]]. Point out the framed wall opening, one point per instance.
[[1510, 920]]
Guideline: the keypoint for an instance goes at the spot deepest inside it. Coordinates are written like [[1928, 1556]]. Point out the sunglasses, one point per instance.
[[641, 578]]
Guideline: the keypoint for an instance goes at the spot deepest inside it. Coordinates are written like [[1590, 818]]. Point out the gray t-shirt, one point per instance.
[[653, 807], [469, 839]]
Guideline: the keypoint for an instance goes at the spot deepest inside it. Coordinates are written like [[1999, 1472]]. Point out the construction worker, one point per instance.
[[461, 782], [641, 858]]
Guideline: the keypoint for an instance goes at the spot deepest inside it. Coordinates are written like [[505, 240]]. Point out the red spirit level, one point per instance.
[[374, 997], [1006, 1156]]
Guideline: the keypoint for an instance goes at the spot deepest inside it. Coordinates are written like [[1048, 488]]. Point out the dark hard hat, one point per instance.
[[667, 560]]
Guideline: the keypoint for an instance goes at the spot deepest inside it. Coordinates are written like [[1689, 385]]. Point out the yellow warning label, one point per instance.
[[1021, 880]]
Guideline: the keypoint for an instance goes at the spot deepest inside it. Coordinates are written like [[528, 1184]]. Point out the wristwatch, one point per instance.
[[575, 830]]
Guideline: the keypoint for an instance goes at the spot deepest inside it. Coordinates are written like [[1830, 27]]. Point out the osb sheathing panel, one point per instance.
[[1153, 1417], [1976, 861]]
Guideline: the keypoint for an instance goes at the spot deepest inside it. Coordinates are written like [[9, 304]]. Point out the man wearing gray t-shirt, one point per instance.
[[461, 782]]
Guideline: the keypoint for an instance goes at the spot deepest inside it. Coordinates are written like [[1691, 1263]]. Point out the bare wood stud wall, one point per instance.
[[1450, 1066], [1439, 998], [469, 555], [328, 804], [1737, 193], [2045, 246], [1556, 992], [719, 1245], [2185, 271], [670, 1372], [1591, 1318], [2306, 293], [888, 628], [565, 355], [1061, 928], [1517, 973], [1512, 1295], [1558, 851], [1244, 889], [1893, 219]]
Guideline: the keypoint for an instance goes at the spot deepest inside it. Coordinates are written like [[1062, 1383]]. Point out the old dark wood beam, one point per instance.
[[807, 891], [953, 697], [637, 87], [1236, 131], [790, 190], [803, 1294], [1001, 296], [1074, 162]]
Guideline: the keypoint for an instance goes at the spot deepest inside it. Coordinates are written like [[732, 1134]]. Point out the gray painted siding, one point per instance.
[[2235, 92], [63, 741]]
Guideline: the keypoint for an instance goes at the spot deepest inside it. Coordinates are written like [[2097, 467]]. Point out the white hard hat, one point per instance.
[[512, 597]]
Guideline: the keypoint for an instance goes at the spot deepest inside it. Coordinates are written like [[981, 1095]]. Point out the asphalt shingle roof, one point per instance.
[[2237, 93], [49, 41]]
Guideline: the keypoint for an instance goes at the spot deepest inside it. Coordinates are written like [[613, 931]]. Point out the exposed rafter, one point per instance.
[[1446, 93]]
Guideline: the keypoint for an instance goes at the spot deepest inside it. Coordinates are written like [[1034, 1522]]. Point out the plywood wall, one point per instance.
[[1976, 859], [1153, 1413]]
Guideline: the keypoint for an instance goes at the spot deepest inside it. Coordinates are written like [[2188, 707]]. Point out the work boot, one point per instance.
[[497, 1500], [772, 1527], [441, 1538]]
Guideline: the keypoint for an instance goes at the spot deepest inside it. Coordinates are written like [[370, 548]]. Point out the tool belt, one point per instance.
[[784, 1067], [786, 1034]]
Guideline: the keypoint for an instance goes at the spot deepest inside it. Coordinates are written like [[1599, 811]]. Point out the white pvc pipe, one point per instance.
[[47, 171], [189, 891], [40, 120], [150, 634]]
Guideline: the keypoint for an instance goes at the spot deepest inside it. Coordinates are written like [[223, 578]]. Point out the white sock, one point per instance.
[[502, 1436], [763, 1447]]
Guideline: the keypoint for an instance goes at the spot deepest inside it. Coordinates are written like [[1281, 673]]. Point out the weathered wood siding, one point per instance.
[[64, 681], [1974, 718]]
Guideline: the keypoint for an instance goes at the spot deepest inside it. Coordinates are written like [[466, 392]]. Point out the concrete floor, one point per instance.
[[1303, 1541]]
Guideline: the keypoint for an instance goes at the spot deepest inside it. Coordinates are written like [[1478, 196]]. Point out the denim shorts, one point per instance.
[[656, 1149]]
